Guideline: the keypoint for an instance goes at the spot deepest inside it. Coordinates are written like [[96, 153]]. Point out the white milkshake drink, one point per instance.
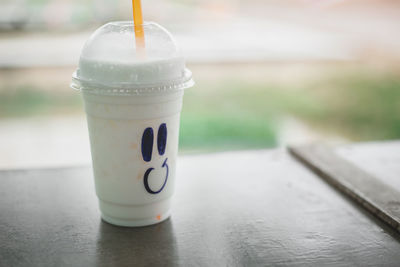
[[133, 103]]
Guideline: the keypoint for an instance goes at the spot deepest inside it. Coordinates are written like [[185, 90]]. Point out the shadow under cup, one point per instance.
[[134, 145]]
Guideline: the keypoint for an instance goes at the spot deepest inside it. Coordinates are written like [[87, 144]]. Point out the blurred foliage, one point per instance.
[[208, 131], [235, 114], [27, 101], [360, 106]]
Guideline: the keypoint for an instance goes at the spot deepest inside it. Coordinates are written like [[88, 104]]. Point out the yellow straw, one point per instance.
[[138, 26]]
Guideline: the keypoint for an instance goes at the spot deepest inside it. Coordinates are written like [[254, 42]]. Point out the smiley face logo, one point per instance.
[[147, 151]]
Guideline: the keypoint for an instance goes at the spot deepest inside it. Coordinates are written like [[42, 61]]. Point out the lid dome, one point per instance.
[[110, 62]]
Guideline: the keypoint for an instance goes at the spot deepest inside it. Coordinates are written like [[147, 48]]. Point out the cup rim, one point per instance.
[[125, 89]]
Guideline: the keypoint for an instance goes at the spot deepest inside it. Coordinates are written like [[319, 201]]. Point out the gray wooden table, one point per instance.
[[252, 208]]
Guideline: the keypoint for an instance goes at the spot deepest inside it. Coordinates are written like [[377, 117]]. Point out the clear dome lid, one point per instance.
[[110, 62]]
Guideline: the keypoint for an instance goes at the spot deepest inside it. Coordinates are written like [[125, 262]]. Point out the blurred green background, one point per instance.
[[296, 71], [237, 114]]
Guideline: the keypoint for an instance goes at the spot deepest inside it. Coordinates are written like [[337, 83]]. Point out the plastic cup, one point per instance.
[[133, 106]]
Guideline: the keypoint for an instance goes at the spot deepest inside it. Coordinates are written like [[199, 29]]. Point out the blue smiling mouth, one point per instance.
[[146, 179], [147, 150]]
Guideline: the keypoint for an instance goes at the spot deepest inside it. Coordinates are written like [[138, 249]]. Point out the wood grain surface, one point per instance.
[[252, 208], [378, 197], [380, 159]]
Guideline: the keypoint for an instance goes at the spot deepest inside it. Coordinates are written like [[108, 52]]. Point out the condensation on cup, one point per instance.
[[133, 102]]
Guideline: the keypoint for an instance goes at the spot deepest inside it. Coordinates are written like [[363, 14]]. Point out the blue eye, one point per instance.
[[147, 144], [162, 138]]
